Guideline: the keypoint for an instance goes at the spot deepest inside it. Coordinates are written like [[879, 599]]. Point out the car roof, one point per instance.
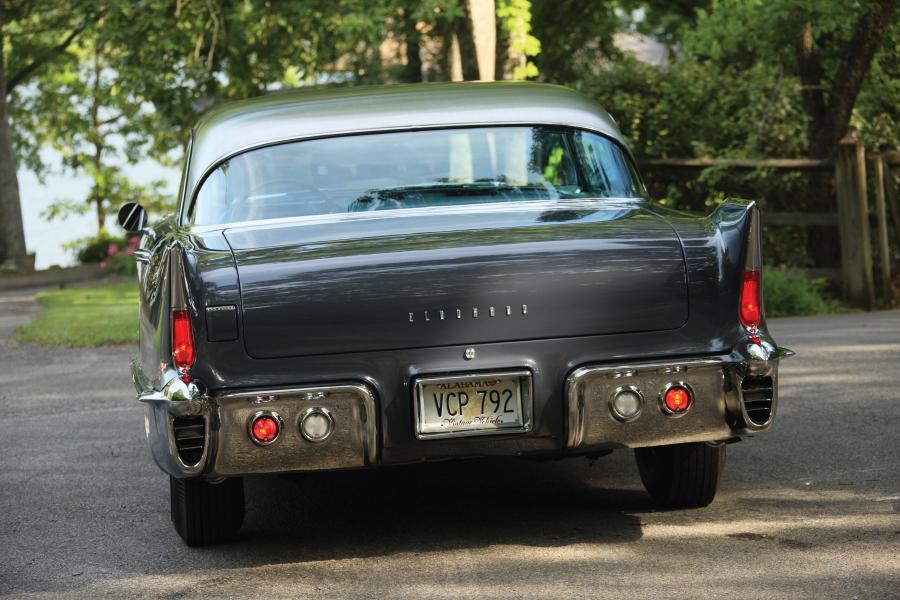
[[316, 112]]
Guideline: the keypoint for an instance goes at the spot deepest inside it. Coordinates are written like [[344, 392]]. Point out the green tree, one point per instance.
[[516, 41], [97, 125], [184, 57], [828, 45], [575, 38], [33, 35]]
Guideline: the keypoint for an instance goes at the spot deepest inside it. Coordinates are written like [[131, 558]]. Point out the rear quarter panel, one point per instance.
[[714, 248]]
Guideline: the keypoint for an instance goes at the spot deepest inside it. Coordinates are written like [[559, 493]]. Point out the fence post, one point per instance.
[[890, 193], [853, 223], [880, 175]]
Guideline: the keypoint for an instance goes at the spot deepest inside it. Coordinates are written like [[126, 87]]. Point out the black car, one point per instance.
[[384, 275]]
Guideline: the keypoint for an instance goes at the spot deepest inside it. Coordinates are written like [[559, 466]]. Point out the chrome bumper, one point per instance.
[[719, 411], [228, 451]]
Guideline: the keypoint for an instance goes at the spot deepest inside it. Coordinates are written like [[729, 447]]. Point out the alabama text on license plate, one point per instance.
[[479, 404]]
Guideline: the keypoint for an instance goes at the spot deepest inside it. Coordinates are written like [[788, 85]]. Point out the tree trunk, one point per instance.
[[412, 72], [501, 53], [466, 39], [848, 80], [12, 231], [829, 114], [483, 17], [812, 91], [101, 216]]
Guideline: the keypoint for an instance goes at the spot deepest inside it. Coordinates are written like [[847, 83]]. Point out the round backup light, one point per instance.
[[625, 403], [676, 398], [316, 424], [265, 428]]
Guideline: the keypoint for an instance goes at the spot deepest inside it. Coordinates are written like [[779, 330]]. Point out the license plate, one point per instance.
[[480, 404]]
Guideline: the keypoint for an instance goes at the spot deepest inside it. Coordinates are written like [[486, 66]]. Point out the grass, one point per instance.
[[106, 314]]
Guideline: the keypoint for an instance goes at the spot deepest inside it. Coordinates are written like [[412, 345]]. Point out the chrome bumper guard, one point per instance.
[[227, 448], [719, 411]]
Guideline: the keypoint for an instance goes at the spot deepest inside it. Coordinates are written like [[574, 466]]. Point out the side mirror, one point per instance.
[[132, 217]]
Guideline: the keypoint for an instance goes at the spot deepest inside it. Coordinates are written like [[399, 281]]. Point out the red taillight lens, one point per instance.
[[750, 300], [265, 429], [182, 343], [677, 399]]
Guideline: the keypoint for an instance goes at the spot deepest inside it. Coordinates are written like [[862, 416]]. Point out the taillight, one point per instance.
[[676, 398], [750, 304], [264, 428], [183, 354], [750, 300]]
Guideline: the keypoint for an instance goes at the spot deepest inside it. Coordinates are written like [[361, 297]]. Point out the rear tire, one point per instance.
[[205, 513], [681, 475]]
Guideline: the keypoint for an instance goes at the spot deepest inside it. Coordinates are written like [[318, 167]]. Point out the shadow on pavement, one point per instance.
[[425, 508]]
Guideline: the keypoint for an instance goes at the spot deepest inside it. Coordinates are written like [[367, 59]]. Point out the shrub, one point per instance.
[[116, 255], [95, 249], [121, 263], [788, 293]]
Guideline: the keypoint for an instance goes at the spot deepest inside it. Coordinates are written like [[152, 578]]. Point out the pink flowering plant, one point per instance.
[[120, 258], [113, 254]]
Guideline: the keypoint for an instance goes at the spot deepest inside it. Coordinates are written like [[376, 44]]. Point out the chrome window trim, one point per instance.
[[486, 207], [191, 198]]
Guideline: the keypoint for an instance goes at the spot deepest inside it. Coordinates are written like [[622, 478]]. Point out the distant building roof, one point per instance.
[[644, 48]]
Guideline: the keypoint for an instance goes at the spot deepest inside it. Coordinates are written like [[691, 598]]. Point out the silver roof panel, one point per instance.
[[304, 113]]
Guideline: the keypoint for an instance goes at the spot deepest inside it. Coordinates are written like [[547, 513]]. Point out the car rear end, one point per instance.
[[411, 355], [325, 309]]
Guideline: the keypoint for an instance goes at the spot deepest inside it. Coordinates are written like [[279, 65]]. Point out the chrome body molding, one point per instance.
[[228, 450], [718, 411], [352, 444], [175, 399]]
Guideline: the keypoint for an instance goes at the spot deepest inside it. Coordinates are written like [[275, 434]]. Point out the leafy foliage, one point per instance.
[[788, 293], [734, 88], [129, 79], [34, 34], [96, 249], [575, 36], [515, 16]]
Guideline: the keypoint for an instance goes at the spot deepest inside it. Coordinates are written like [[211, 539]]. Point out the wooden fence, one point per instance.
[[852, 217]]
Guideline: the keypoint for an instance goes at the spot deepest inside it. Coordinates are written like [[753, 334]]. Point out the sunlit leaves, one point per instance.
[[515, 17]]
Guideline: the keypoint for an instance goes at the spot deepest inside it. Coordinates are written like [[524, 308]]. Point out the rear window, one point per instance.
[[399, 170]]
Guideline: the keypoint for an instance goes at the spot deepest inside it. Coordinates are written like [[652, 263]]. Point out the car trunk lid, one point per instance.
[[456, 275]]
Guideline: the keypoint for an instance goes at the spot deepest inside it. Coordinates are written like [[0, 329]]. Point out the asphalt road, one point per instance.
[[809, 510]]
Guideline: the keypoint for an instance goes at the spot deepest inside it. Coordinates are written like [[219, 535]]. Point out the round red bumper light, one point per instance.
[[264, 429], [677, 398]]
